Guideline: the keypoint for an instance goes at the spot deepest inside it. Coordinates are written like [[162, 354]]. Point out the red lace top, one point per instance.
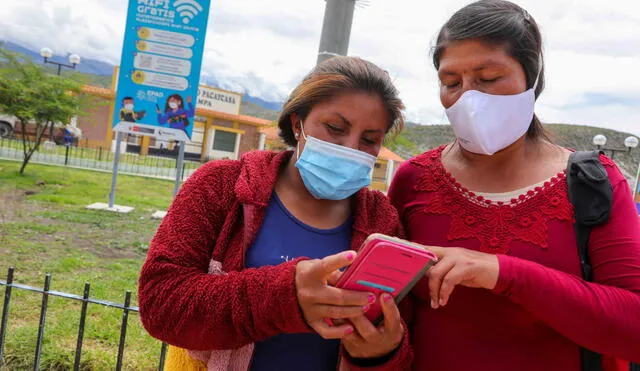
[[541, 309]]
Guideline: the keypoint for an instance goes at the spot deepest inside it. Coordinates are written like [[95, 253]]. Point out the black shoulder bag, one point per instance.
[[591, 194]]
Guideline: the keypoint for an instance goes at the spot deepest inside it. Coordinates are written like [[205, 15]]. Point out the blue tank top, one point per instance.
[[282, 237]]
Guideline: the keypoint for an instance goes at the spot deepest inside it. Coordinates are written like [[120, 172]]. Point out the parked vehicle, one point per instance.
[[7, 126], [61, 134]]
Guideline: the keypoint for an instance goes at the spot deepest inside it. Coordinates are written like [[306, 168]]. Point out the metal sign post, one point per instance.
[[114, 175], [111, 206], [179, 167]]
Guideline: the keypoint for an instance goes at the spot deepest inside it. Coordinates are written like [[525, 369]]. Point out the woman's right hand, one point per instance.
[[318, 300], [371, 342]]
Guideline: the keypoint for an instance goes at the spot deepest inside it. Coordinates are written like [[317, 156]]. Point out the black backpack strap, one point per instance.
[[582, 239], [591, 194], [590, 190]]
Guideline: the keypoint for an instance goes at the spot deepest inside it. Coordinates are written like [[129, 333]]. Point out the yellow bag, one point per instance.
[[178, 359]]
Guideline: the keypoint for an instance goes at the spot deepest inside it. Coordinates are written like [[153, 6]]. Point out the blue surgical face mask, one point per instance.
[[333, 172]]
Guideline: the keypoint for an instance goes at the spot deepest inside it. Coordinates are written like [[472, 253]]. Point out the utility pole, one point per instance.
[[336, 29]]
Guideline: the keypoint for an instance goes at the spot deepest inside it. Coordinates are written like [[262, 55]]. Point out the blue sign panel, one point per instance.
[[160, 67]]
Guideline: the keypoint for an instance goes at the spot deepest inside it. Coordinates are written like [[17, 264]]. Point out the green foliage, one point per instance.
[[28, 92], [32, 95]]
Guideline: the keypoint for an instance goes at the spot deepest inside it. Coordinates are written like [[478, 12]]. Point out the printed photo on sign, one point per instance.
[[175, 114], [128, 112]]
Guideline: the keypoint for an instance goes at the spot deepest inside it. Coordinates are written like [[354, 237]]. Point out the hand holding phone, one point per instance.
[[369, 341], [386, 265], [318, 300]]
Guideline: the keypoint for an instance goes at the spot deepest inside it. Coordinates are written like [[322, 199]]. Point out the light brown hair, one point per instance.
[[335, 76]]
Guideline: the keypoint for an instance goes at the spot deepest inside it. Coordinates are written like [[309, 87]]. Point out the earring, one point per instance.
[[296, 135]]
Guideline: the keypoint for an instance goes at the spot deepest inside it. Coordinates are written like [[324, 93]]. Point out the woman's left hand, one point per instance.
[[370, 342], [189, 100], [458, 266]]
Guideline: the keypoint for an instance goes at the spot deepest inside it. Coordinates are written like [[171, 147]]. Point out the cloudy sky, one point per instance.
[[264, 47]]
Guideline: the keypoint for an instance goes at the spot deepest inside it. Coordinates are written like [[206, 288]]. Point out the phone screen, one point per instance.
[[386, 267]]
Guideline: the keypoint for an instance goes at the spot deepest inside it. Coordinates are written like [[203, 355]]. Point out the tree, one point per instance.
[[35, 97]]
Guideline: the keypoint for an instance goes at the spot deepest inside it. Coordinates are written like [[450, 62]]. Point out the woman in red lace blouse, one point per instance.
[[507, 293]]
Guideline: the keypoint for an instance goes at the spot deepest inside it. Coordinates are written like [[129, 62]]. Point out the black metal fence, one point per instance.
[[86, 300]]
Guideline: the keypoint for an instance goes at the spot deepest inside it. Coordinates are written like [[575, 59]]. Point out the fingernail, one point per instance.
[[371, 299], [348, 331], [442, 302], [386, 297], [366, 308], [433, 304], [351, 256]]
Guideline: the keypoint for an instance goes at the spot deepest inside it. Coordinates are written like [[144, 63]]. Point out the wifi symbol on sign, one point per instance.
[[188, 9]]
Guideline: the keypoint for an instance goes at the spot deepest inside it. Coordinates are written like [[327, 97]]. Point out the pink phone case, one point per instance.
[[386, 265]]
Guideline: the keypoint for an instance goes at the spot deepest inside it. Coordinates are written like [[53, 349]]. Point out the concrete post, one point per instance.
[[336, 29], [236, 150], [262, 141], [390, 172]]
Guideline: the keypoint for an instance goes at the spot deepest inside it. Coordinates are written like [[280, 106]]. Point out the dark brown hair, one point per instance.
[[335, 76], [500, 23]]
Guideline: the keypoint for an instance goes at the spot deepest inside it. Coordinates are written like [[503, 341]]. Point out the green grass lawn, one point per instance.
[[46, 229]]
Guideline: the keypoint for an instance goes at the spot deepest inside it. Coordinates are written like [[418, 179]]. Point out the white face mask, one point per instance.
[[486, 123], [173, 105], [128, 107]]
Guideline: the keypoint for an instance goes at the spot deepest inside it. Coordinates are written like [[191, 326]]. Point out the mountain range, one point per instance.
[[101, 73]]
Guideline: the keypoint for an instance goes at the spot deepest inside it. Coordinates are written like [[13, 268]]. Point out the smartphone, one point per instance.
[[386, 265]]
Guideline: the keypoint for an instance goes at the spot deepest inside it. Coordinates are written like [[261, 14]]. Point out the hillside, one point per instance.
[[416, 139], [254, 109]]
